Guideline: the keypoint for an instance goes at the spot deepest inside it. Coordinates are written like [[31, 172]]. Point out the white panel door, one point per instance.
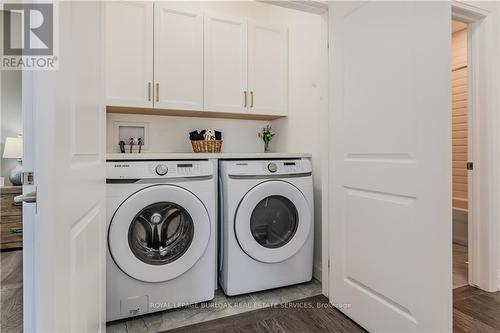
[[63, 112], [178, 57], [390, 241], [129, 53], [225, 64], [267, 69]]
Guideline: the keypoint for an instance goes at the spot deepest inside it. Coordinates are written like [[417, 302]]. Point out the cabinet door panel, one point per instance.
[[178, 57], [267, 69], [225, 63], [129, 53]]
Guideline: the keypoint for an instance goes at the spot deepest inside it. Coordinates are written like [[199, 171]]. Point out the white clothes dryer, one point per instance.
[[266, 224]]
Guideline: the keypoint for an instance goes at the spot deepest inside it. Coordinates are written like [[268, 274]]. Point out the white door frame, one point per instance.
[[484, 231], [326, 161], [484, 152]]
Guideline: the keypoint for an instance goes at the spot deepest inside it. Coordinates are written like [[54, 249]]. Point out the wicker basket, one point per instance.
[[203, 146]]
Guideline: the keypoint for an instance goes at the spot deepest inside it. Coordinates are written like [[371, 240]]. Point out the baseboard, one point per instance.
[[317, 271], [460, 241], [460, 215], [499, 279], [460, 227]]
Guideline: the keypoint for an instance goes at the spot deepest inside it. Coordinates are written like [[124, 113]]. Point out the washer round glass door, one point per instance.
[[158, 233], [273, 221]]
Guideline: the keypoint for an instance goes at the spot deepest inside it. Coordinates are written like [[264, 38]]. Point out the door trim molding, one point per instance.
[[484, 187], [325, 164]]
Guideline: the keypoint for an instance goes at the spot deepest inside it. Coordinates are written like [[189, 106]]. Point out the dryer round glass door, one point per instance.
[[158, 233], [273, 221]]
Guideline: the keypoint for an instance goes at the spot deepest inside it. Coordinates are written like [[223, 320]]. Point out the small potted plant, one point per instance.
[[266, 135]]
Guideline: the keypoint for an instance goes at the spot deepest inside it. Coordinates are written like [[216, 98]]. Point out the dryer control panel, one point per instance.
[[158, 169], [266, 167]]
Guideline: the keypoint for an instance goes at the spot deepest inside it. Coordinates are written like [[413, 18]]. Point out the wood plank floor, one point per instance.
[[460, 266], [11, 305], [312, 314], [474, 310]]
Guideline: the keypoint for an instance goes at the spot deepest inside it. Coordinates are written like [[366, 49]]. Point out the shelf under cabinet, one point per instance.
[[184, 113]]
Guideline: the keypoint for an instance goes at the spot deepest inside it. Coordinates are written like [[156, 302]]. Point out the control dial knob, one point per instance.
[[161, 169], [272, 167]]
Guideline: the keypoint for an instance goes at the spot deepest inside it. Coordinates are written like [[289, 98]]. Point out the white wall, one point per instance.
[[11, 116], [171, 134], [305, 128]]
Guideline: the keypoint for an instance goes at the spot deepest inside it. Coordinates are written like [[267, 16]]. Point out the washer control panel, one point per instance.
[[266, 167], [158, 169]]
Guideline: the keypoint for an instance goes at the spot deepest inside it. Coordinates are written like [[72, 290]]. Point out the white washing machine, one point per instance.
[[161, 219], [266, 224]]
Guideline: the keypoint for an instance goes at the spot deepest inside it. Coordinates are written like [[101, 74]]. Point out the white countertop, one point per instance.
[[193, 156]]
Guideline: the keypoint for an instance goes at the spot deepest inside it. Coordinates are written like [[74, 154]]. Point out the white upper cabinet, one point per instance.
[[129, 53], [225, 64], [178, 57], [171, 56], [267, 69]]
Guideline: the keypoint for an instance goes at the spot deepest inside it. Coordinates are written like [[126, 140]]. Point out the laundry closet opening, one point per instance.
[[461, 152], [236, 67]]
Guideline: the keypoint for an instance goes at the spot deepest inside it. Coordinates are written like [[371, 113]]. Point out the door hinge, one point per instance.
[[470, 166], [27, 178]]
